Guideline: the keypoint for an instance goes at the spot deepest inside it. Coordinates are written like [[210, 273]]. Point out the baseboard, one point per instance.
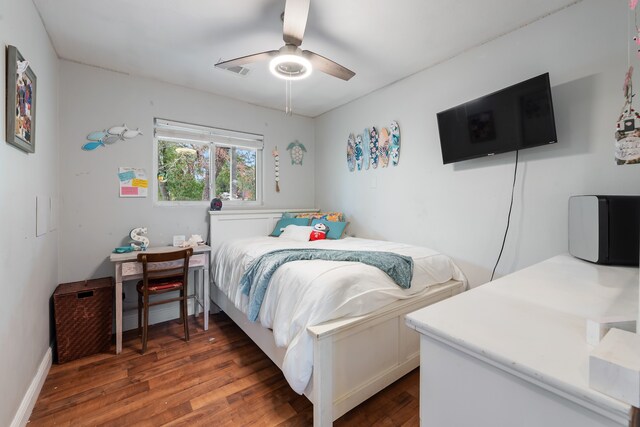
[[31, 396]]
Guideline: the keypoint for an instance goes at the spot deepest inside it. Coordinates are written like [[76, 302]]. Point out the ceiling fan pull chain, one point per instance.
[[290, 98], [288, 108]]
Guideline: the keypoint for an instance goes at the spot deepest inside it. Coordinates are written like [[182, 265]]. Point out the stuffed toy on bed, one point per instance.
[[319, 232]]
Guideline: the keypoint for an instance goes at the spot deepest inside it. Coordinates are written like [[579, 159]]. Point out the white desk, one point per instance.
[[514, 352], [128, 268]]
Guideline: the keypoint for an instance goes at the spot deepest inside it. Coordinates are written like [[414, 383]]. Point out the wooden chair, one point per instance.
[[162, 273]]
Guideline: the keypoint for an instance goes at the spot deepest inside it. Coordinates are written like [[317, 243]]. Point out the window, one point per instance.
[[197, 163]]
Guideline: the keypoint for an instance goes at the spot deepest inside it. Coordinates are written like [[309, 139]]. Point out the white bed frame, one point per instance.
[[354, 358]]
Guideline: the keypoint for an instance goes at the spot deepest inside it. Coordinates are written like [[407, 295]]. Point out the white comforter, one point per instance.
[[306, 293]]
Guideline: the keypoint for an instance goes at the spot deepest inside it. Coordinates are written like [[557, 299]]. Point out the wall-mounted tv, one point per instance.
[[517, 117]]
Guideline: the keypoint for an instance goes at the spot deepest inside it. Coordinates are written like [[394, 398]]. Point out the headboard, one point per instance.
[[233, 224]]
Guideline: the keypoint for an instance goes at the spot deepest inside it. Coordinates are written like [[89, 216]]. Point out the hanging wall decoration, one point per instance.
[[373, 147], [109, 136], [383, 147], [276, 167], [21, 102], [358, 152], [296, 149], [394, 148], [365, 146], [351, 152], [627, 145]]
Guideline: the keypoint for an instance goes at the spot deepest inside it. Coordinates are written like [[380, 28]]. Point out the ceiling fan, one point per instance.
[[290, 62]]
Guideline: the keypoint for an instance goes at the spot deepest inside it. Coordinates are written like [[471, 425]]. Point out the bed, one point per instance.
[[325, 349]]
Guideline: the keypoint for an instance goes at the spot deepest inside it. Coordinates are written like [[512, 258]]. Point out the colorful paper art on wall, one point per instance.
[[133, 182], [276, 160], [109, 136], [296, 149], [373, 148], [351, 152]]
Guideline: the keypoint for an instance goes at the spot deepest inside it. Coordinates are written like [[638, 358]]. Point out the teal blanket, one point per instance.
[[255, 280]]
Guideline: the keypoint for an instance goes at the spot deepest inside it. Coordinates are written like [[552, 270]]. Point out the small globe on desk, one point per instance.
[[216, 204]]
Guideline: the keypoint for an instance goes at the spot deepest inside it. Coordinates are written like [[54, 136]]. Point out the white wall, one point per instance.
[[29, 264], [461, 209], [95, 219]]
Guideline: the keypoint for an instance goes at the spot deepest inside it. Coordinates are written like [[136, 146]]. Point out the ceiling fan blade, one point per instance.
[[327, 66], [295, 21], [256, 57]]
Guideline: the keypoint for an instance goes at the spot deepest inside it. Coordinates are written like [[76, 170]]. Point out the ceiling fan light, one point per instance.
[[290, 67]]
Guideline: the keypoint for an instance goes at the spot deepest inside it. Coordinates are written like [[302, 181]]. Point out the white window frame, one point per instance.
[[168, 130]]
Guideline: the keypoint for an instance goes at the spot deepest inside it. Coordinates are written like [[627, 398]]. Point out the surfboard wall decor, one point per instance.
[[394, 147], [351, 152], [374, 147], [365, 146]]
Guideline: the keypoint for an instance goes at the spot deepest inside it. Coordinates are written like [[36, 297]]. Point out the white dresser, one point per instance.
[[514, 352]]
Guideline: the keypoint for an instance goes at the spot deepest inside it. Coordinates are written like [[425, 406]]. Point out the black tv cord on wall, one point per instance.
[[506, 231]]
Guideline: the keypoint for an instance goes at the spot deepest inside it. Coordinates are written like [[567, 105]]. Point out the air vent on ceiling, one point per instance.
[[238, 70]]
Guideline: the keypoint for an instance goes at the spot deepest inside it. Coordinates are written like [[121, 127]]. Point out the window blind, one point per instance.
[[183, 132]]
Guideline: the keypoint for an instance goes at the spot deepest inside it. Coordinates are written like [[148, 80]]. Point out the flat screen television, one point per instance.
[[517, 117]]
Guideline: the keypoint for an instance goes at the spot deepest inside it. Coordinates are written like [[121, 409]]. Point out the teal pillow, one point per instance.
[[283, 222], [287, 215], [336, 229]]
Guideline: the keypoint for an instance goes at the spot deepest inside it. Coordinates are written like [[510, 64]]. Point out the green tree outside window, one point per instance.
[[184, 172]]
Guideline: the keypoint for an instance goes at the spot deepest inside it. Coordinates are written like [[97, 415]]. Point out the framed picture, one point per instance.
[[21, 102]]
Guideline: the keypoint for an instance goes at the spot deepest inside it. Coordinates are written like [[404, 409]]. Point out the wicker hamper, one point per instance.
[[83, 313]]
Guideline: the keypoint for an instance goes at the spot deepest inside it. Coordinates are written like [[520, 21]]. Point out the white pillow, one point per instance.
[[299, 233]]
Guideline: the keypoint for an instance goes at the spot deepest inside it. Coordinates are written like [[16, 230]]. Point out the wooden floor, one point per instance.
[[219, 378]]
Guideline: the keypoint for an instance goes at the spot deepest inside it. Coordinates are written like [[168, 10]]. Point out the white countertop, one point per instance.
[[532, 323]]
